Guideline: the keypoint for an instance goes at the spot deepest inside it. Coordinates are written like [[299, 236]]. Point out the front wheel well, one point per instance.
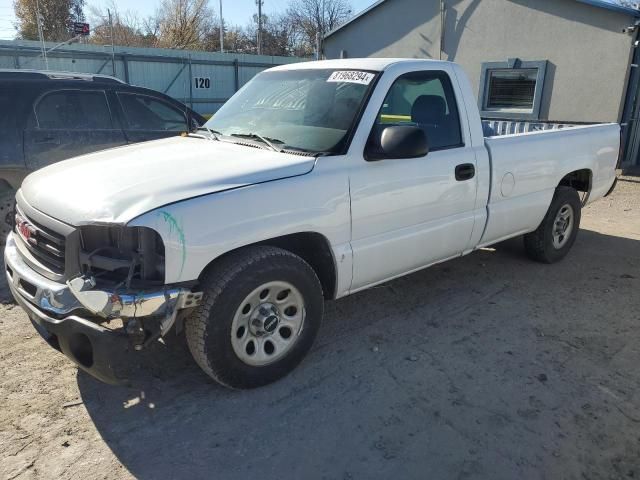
[[312, 247]]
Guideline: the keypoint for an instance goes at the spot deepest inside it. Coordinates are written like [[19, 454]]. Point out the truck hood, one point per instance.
[[117, 185]]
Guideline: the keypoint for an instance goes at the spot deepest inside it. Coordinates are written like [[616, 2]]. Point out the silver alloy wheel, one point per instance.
[[563, 226], [267, 324]]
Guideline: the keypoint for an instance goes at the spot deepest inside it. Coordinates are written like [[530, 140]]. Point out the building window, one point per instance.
[[512, 90]]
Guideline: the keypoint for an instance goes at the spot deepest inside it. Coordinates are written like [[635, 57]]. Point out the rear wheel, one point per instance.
[[261, 310], [553, 239]]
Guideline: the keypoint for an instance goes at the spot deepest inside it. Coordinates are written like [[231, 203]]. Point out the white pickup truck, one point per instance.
[[315, 181]]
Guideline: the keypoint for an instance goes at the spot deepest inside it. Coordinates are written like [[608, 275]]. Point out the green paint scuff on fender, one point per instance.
[[174, 227]]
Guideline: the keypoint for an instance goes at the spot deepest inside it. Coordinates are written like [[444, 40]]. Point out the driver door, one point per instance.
[[411, 212]]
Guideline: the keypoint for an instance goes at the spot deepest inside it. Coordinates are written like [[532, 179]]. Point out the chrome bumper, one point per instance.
[[59, 313], [79, 293], [103, 353]]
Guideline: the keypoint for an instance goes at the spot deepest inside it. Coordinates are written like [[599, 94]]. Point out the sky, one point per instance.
[[237, 12]]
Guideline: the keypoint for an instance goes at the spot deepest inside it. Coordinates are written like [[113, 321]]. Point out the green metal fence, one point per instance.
[[203, 80]]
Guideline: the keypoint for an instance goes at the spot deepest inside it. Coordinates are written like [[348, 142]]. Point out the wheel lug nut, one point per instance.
[[256, 323], [263, 311]]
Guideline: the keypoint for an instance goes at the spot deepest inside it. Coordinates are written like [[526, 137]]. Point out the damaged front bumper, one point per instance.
[[70, 316]]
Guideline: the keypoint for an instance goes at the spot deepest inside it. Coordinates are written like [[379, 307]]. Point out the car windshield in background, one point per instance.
[[304, 110]]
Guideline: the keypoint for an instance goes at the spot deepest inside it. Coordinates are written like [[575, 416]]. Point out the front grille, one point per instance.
[[47, 246]]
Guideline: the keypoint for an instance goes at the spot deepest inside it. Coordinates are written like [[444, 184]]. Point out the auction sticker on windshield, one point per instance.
[[351, 76]]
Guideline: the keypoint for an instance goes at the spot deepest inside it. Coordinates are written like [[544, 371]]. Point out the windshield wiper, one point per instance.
[[266, 140], [215, 135], [305, 151]]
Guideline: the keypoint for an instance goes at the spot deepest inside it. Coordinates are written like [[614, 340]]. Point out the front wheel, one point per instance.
[[555, 236], [261, 310]]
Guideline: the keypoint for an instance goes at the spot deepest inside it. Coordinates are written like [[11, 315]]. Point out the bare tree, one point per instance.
[[57, 18], [317, 17], [192, 24], [277, 35], [184, 23], [237, 40], [293, 32], [128, 29], [296, 38]]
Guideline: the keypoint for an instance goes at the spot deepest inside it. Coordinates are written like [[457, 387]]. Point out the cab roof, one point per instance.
[[374, 64]]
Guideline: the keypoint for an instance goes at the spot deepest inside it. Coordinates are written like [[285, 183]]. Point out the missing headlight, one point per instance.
[[130, 255]]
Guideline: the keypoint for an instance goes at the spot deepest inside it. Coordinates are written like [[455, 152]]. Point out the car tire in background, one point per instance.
[[555, 236], [261, 311], [7, 202]]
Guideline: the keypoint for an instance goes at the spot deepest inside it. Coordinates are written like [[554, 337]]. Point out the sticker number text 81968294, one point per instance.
[[351, 76]]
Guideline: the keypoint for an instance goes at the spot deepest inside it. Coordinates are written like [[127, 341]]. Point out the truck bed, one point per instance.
[[526, 168]]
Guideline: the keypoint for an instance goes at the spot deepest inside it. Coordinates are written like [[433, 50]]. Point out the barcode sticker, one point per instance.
[[351, 76]]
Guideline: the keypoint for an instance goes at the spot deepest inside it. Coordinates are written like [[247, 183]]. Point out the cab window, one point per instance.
[[427, 100]]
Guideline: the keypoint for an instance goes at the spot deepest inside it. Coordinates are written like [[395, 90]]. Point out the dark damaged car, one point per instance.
[[46, 117]]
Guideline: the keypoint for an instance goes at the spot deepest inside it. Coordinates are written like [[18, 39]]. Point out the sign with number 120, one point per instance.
[[202, 82]]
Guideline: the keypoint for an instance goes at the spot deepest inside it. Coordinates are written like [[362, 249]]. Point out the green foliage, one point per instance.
[[57, 18]]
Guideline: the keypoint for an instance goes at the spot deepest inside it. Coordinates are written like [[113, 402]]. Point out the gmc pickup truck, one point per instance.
[[315, 181]]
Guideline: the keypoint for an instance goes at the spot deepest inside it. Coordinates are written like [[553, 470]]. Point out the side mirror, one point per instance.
[[397, 141]]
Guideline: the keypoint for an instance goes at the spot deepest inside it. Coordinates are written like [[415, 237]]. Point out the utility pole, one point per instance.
[[259, 39], [442, 26], [320, 36], [221, 30], [41, 35], [113, 48]]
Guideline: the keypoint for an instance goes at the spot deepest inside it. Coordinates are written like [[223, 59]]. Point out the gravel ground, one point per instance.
[[488, 366]]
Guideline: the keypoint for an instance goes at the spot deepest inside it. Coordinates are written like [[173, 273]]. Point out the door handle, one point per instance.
[[465, 171]]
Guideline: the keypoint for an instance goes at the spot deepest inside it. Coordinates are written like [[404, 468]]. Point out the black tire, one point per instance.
[[225, 286], [539, 244], [7, 207]]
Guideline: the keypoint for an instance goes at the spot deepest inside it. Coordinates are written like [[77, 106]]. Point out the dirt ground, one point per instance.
[[489, 366]]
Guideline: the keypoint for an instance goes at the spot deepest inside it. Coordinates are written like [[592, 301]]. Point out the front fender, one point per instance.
[[196, 231]]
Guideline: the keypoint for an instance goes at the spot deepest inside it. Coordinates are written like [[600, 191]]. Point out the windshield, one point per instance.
[[303, 110]]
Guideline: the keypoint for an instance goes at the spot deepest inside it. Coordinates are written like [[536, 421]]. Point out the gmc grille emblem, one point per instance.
[[25, 230]]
